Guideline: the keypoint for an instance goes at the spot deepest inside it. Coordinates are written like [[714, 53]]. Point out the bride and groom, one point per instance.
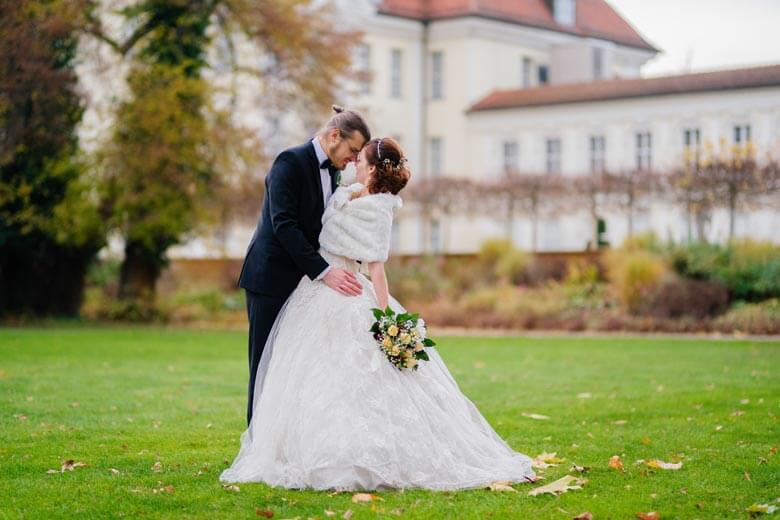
[[326, 409]]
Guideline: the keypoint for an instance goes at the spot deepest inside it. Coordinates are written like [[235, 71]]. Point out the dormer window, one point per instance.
[[565, 12]]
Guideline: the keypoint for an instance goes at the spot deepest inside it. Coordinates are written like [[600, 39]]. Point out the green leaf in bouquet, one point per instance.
[[402, 317], [414, 317], [428, 342], [422, 355], [378, 313], [375, 327], [389, 312]]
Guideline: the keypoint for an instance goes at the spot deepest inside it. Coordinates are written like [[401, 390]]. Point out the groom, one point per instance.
[[285, 243]]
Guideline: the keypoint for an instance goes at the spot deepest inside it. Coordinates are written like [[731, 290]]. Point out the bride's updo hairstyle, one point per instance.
[[391, 173]]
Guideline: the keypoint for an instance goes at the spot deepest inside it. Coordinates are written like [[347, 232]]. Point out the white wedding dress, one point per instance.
[[331, 412]]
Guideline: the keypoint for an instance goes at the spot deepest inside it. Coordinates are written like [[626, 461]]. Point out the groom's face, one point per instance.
[[344, 149]]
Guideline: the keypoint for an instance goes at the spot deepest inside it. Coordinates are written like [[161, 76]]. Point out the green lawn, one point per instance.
[[128, 398]]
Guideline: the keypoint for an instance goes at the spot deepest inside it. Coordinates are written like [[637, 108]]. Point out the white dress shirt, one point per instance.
[[325, 180]]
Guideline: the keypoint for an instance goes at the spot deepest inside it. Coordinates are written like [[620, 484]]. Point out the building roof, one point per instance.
[[594, 18], [604, 90]]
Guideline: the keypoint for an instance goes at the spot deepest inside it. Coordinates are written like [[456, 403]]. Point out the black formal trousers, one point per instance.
[[262, 311]]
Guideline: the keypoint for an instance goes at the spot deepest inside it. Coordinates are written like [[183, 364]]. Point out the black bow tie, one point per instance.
[[328, 165]]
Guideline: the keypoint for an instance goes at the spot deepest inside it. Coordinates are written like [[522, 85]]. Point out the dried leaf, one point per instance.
[[52, 472], [659, 464], [584, 516], [761, 509], [579, 469], [615, 462], [70, 465], [328, 512], [545, 460], [584, 395], [359, 498], [267, 513], [620, 422], [562, 485], [231, 487], [347, 514], [114, 471], [535, 416], [652, 515], [157, 467], [502, 485]]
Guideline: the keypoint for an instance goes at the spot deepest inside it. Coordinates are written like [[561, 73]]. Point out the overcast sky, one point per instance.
[[705, 34]]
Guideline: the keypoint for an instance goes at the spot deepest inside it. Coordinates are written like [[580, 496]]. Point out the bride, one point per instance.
[[329, 410]]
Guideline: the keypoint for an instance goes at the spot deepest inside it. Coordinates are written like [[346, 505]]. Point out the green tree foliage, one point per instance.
[[171, 162], [49, 225]]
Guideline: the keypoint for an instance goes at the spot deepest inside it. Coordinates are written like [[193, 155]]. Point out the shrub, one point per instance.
[[502, 261], [678, 297], [635, 276], [753, 318]]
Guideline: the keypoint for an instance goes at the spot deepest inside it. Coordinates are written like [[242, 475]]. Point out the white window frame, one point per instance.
[[396, 65], [741, 133], [436, 149], [526, 69], [363, 65], [510, 155], [437, 75], [552, 155], [643, 143], [598, 153]]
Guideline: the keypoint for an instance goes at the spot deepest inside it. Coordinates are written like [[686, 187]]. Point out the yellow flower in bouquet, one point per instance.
[[418, 347], [406, 338], [387, 343], [392, 331]]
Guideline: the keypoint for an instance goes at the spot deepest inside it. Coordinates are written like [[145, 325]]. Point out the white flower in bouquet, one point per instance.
[[406, 338], [418, 347]]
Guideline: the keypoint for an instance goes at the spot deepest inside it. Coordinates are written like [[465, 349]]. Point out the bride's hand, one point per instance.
[[343, 281]]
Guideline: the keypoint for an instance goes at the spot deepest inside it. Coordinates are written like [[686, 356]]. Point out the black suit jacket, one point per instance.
[[285, 243]]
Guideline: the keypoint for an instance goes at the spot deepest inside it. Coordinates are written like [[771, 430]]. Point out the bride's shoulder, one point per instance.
[[385, 200]]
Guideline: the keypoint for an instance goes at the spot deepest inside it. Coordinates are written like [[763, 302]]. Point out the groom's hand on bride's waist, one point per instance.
[[343, 281]]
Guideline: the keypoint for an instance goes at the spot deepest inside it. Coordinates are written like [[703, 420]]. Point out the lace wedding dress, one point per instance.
[[331, 412]]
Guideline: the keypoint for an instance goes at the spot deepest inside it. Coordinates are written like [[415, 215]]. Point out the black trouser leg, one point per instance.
[[261, 311]]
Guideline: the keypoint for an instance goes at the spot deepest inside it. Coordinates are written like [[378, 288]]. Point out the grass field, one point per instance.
[[126, 399]]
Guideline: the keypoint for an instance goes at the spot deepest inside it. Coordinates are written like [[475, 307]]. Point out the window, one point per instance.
[[741, 134], [597, 153], [542, 74], [437, 75], [525, 71], [395, 73], [643, 151], [553, 156], [436, 148], [363, 66], [510, 156], [692, 144], [435, 236], [598, 63], [564, 11]]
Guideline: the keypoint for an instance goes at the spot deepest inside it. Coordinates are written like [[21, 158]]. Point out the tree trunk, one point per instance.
[[139, 273]]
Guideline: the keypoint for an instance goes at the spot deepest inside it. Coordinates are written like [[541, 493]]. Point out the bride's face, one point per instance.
[[363, 170]]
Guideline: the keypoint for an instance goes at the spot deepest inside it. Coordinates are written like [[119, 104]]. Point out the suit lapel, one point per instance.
[[315, 170]]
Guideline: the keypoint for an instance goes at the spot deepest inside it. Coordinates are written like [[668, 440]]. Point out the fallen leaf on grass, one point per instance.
[[579, 469], [584, 395], [620, 422], [70, 465], [267, 513], [114, 471], [615, 462], [231, 487], [659, 464], [584, 516], [157, 467], [502, 485], [328, 512], [359, 498], [347, 514], [761, 509], [545, 460], [52, 472], [651, 515], [562, 485], [163, 489], [536, 416]]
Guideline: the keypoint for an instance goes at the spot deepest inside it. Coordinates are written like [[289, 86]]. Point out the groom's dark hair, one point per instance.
[[347, 122]]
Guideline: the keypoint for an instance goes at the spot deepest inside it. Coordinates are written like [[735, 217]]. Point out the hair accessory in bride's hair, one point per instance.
[[378, 149]]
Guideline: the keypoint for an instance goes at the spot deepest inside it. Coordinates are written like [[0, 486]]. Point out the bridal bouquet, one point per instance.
[[402, 337]]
